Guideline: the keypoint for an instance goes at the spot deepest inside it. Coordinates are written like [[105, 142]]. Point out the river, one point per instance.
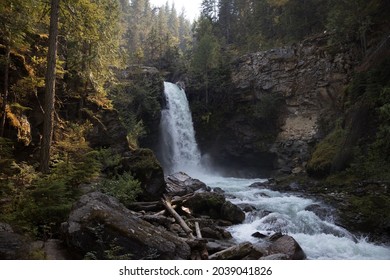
[[273, 211]]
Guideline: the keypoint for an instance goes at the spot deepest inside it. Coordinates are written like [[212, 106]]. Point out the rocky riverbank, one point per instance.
[[189, 222]]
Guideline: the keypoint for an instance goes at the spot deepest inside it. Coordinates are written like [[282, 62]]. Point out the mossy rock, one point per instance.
[[207, 204], [215, 206], [322, 159]]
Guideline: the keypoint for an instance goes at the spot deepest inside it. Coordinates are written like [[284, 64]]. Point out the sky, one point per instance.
[[191, 6]]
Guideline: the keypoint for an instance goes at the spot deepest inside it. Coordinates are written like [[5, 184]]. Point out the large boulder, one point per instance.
[[179, 184], [100, 227], [215, 206], [288, 247]]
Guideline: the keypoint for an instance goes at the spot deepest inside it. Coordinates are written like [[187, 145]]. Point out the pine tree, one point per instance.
[[206, 53], [50, 88]]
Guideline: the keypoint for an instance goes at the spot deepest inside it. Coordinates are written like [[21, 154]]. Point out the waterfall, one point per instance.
[[178, 148], [273, 211]]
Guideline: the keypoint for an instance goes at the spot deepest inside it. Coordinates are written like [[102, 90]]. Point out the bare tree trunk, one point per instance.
[[5, 89], [50, 88]]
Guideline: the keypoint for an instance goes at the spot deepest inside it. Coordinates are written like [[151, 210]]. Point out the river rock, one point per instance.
[[275, 257], [99, 224], [232, 212], [287, 245], [215, 233], [215, 206], [179, 184], [236, 252]]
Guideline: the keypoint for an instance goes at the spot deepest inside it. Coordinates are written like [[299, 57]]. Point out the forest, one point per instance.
[[81, 85]]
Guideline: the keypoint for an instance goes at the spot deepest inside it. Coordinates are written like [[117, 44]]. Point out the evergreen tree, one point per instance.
[[50, 88], [206, 56]]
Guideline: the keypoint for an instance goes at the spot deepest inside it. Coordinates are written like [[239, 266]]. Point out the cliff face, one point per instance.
[[311, 80]]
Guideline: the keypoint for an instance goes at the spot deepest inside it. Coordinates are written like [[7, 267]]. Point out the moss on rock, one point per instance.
[[324, 154]]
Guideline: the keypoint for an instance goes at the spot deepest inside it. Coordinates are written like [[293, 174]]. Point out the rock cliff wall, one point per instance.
[[311, 77]]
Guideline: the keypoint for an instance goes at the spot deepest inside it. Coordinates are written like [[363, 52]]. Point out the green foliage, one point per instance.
[[155, 36], [40, 203], [6, 148], [251, 25], [124, 187], [109, 160], [93, 33], [138, 104], [352, 20], [367, 145]]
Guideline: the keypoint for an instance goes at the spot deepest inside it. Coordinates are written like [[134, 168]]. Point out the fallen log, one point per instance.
[[167, 204], [197, 230], [146, 206]]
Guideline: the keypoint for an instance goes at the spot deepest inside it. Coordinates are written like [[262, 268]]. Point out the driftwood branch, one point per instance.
[[167, 204], [197, 230]]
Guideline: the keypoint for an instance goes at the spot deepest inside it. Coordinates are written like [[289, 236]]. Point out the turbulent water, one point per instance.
[[274, 211]]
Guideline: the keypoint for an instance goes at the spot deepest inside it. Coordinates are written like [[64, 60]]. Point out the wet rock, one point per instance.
[[232, 212], [214, 246], [215, 233], [259, 235], [286, 245], [275, 257], [236, 252], [259, 185], [99, 223], [215, 206], [321, 211], [218, 190], [246, 207], [180, 184]]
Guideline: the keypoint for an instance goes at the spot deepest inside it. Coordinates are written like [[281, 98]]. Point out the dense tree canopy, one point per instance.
[[250, 25]]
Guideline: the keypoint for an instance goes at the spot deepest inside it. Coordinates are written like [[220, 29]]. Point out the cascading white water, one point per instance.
[[179, 150], [274, 212]]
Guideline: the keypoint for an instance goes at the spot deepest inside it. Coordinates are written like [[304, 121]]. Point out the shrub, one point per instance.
[[124, 187]]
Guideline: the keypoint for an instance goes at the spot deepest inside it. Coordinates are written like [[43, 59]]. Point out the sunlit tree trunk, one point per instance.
[[50, 88]]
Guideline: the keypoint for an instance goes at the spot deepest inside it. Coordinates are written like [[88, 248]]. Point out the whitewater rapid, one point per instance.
[[275, 212]]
